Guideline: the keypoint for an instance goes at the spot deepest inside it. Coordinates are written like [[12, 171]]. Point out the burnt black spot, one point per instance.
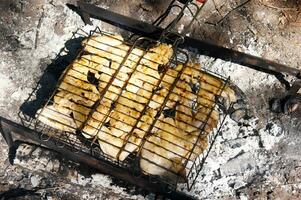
[[92, 79], [162, 68], [72, 100], [107, 124], [78, 132], [113, 105], [170, 112], [194, 87], [157, 89]]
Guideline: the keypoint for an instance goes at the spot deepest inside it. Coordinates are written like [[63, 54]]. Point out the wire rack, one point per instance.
[[177, 151], [144, 144]]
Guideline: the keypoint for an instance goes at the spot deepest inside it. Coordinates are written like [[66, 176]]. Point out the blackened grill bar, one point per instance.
[[8, 127]]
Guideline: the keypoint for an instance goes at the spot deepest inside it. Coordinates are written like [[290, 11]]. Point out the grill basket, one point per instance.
[[75, 141]]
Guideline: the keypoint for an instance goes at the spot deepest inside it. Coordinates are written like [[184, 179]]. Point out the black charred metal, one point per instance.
[[19, 192], [200, 46], [10, 129], [184, 1]]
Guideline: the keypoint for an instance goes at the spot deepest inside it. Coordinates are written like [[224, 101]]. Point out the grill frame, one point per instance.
[[131, 164]]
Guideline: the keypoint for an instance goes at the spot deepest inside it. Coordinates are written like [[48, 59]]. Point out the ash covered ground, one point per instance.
[[254, 159]]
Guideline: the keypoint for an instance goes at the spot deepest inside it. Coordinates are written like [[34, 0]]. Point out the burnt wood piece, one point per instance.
[[290, 102], [8, 128], [199, 46]]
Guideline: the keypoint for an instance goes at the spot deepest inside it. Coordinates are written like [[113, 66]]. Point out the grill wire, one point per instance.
[[75, 140]]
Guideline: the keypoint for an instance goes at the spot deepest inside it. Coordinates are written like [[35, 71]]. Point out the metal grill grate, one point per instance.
[[74, 138]]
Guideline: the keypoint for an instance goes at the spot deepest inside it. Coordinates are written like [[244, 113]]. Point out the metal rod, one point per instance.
[[87, 159], [6, 135], [199, 46]]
